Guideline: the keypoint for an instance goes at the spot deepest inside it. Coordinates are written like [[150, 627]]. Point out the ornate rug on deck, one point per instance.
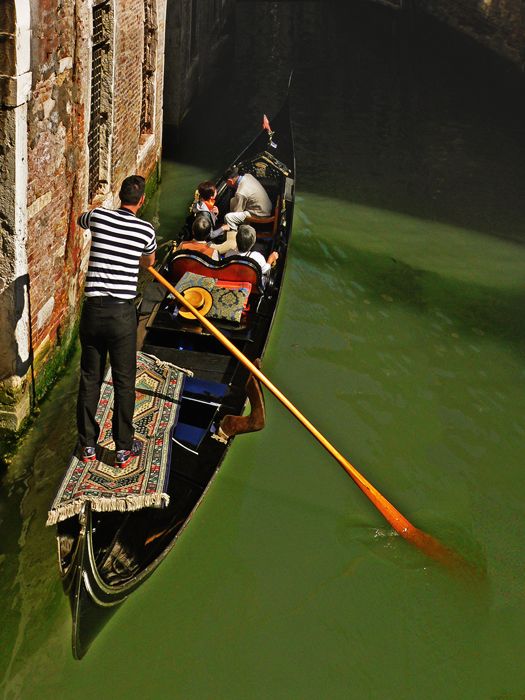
[[143, 482]]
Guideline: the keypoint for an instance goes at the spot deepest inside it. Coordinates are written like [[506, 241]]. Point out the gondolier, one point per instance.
[[120, 243]]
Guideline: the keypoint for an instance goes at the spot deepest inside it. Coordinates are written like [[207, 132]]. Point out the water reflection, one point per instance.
[[36, 624]]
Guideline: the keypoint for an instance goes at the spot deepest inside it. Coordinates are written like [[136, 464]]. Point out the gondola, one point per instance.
[[104, 557]]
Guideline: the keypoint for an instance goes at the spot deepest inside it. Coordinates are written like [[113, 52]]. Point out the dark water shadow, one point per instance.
[[476, 309], [33, 608], [391, 110]]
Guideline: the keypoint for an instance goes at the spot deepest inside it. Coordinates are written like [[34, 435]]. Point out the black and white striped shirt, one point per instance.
[[118, 239]]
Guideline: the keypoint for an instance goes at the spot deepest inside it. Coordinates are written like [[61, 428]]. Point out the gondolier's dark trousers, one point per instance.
[[107, 327]]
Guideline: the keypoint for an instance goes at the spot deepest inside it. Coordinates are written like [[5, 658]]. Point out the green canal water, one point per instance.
[[400, 334]]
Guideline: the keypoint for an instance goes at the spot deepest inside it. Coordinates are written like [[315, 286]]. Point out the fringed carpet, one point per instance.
[[143, 482]]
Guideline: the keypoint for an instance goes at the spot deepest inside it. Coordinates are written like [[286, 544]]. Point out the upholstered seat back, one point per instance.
[[233, 269]]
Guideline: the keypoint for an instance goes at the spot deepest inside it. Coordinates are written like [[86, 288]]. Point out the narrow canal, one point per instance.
[[400, 335]]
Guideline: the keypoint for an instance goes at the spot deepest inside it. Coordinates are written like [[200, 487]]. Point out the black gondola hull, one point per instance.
[[105, 557]]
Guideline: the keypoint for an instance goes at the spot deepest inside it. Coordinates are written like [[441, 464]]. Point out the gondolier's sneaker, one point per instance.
[[89, 454], [124, 457]]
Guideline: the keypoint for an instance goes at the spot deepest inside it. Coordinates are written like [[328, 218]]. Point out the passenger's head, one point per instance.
[[132, 190], [232, 175], [245, 238], [207, 190], [201, 229]]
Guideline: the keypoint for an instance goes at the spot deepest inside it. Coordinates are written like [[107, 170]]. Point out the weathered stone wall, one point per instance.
[[45, 164], [128, 76], [196, 32], [15, 85], [497, 24], [56, 166]]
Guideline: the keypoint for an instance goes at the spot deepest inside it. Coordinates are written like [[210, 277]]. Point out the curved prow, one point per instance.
[[88, 619]]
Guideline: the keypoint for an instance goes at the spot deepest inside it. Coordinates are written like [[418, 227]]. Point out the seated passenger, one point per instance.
[[250, 198], [205, 204], [246, 238], [201, 235]]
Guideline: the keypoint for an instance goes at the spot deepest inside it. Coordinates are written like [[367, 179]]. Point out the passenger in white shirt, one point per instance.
[[245, 239], [251, 199]]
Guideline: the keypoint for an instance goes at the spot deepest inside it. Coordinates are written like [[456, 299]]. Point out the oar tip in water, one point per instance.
[[447, 557]]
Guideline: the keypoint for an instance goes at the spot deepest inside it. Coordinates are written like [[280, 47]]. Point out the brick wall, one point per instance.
[[58, 158], [127, 89], [57, 162], [132, 151], [58, 114]]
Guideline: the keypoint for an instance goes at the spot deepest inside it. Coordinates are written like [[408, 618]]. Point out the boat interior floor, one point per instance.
[[164, 321], [206, 365]]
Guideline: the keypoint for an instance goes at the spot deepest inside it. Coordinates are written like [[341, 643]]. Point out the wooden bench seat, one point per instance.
[[266, 226]]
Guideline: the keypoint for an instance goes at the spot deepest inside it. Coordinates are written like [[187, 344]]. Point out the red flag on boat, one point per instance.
[[266, 124]]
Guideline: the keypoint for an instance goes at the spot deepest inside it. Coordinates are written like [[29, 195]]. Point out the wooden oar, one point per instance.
[[401, 525]]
